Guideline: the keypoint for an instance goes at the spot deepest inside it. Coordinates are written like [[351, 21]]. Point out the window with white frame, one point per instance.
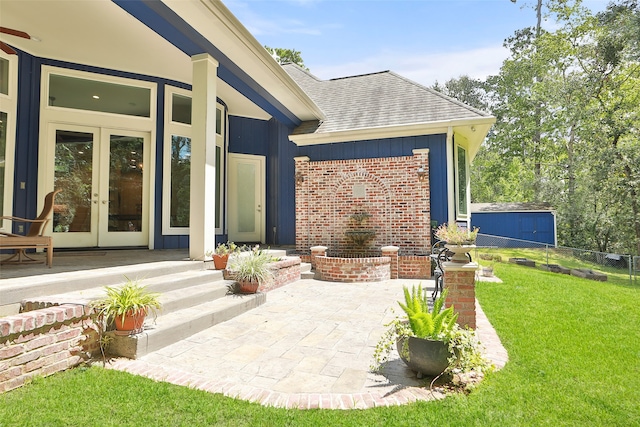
[[8, 103], [462, 174], [177, 161]]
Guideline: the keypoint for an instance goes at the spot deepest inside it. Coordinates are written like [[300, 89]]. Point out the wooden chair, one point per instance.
[[33, 239]]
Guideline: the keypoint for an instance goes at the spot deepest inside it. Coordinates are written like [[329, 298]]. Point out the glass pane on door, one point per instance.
[[125, 183], [72, 174], [246, 179], [180, 181]]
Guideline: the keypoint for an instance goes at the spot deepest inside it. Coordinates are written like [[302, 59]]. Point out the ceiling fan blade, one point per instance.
[[13, 32], [7, 49]]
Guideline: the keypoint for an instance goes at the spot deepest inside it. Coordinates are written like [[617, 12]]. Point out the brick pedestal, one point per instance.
[[460, 280], [392, 252], [317, 251]]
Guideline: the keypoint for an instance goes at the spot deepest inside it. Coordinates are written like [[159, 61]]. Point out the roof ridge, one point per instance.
[[443, 96], [359, 75]]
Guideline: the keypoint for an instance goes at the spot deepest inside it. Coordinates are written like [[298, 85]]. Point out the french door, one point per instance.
[[105, 187], [246, 198]]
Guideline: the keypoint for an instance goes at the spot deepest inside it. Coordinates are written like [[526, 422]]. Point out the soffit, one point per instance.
[[100, 33]]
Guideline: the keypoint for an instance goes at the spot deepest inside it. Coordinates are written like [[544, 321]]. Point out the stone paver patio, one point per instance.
[[309, 346]]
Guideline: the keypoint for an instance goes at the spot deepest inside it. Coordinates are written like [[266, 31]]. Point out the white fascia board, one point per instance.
[[515, 211], [482, 126], [213, 20]]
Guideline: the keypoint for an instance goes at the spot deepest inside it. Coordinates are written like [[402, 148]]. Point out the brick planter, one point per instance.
[[585, 273], [285, 271], [522, 261], [555, 268], [43, 342], [351, 270]]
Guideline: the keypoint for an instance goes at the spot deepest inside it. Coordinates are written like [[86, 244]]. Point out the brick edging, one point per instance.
[[276, 399]]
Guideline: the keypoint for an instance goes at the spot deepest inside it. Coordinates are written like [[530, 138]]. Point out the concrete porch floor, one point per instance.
[[309, 346], [68, 261]]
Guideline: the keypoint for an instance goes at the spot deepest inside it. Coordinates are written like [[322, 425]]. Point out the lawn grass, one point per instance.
[[560, 256], [574, 348]]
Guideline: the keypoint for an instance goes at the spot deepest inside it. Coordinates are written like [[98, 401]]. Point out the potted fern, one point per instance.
[[127, 306], [430, 342]]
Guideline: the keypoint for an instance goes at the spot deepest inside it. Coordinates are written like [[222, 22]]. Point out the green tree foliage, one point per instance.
[[287, 55], [568, 123]]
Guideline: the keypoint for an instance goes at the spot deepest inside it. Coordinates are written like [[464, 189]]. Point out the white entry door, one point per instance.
[[246, 198], [105, 188]]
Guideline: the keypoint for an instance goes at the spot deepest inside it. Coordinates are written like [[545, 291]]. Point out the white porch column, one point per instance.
[[203, 157]]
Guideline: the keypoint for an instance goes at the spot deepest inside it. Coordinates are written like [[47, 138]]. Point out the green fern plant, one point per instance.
[[437, 324], [432, 324]]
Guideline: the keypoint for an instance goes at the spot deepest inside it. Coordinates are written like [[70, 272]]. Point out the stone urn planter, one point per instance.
[[460, 252], [424, 356]]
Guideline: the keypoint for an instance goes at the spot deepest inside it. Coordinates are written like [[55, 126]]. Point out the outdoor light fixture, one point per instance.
[[422, 174], [299, 178]]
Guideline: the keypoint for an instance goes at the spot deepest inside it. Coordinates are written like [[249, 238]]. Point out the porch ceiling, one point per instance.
[[103, 34]]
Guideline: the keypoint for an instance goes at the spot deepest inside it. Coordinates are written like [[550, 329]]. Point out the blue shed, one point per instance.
[[528, 222]]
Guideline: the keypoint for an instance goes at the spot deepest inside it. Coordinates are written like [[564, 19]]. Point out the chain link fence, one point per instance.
[[551, 257]]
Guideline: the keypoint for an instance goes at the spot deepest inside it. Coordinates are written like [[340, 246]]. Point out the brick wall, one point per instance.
[[408, 266], [387, 189], [350, 270], [285, 271], [44, 341], [414, 267]]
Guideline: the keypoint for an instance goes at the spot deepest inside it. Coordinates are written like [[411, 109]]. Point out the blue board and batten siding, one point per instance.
[[247, 136], [270, 139], [538, 227]]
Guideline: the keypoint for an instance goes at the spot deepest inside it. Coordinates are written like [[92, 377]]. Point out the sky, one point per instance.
[[423, 40]]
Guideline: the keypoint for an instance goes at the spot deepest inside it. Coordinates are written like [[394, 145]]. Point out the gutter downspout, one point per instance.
[[451, 190]]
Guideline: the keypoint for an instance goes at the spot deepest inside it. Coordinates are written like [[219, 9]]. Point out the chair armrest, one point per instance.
[[18, 219], [5, 234]]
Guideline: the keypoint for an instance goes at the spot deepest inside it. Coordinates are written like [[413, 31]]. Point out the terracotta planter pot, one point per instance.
[[424, 356], [220, 261], [248, 287], [133, 323]]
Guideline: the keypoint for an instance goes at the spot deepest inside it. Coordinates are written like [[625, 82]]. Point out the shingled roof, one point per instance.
[[375, 100]]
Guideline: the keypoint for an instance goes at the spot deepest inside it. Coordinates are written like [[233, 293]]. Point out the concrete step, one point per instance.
[[178, 325], [18, 289], [305, 267], [178, 299], [161, 284], [305, 271], [193, 299]]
